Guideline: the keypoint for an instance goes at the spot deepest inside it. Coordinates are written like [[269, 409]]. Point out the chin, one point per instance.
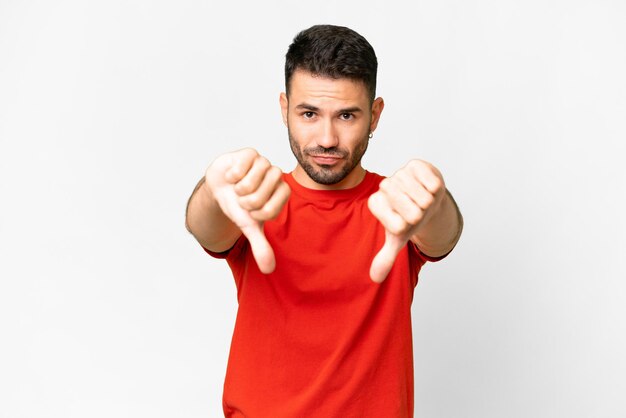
[[327, 175]]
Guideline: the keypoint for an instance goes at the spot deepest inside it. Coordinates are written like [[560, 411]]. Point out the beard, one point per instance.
[[327, 174]]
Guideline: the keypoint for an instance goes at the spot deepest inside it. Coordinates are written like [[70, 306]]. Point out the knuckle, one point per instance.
[[258, 215], [426, 201], [235, 169], [264, 213], [416, 164], [396, 228], [396, 225], [244, 203], [386, 185], [243, 158], [248, 152], [262, 162], [374, 203], [254, 201], [283, 192], [274, 173], [245, 186], [437, 183], [415, 217]]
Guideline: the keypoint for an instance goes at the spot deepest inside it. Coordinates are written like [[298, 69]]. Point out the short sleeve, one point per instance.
[[231, 253], [237, 259], [429, 258]]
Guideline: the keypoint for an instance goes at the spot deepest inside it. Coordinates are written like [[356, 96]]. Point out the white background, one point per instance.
[[111, 111]]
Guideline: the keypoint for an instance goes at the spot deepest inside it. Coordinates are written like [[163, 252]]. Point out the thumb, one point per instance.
[[261, 248], [383, 261]]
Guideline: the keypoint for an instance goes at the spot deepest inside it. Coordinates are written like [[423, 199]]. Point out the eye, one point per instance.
[[308, 115], [346, 116]]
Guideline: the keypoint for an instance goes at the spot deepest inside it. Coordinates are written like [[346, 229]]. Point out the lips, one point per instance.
[[325, 159]]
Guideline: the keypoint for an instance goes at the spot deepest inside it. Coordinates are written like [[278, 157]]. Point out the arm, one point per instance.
[[439, 236], [206, 221], [414, 205], [240, 191]]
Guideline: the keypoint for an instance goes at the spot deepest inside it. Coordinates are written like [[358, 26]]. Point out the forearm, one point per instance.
[[441, 232], [206, 221]]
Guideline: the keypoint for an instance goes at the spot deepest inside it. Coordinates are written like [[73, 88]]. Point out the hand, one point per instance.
[[403, 204], [250, 191]]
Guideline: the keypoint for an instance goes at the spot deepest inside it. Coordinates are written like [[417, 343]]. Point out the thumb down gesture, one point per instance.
[[249, 191], [404, 204]]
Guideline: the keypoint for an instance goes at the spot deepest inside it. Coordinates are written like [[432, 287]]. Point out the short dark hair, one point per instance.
[[335, 52]]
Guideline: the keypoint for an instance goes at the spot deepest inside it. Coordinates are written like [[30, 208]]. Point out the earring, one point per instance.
[[371, 135]]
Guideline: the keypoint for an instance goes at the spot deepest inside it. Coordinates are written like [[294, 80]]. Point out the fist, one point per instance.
[[404, 202], [250, 191]]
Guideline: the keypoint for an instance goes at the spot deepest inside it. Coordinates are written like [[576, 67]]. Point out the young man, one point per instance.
[[325, 258]]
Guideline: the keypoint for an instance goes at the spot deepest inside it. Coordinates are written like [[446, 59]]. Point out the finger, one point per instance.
[[253, 177], [386, 257], [422, 197], [240, 163], [401, 193], [273, 206], [263, 192], [261, 248], [428, 175], [380, 207]]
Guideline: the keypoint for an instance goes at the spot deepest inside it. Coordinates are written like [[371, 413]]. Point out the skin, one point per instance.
[[329, 121]]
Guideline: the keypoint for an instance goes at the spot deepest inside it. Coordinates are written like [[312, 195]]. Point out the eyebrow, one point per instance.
[[306, 106]]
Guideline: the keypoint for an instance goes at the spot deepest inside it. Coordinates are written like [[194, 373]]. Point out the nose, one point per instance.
[[328, 137]]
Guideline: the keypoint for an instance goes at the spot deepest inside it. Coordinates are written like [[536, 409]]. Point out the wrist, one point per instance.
[[442, 231]]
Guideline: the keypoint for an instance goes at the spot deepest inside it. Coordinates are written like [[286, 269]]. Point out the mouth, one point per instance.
[[326, 159]]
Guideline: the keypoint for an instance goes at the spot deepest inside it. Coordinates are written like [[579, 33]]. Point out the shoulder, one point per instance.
[[371, 182]]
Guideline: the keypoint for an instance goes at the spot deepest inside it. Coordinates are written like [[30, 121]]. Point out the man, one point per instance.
[[325, 258]]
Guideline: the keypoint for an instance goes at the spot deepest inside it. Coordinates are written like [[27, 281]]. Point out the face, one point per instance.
[[329, 122]]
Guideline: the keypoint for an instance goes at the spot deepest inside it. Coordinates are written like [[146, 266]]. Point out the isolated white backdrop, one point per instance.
[[110, 112]]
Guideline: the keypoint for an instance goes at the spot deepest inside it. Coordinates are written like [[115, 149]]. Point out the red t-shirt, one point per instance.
[[318, 338]]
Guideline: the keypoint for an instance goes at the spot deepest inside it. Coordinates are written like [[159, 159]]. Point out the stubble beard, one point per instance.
[[326, 174]]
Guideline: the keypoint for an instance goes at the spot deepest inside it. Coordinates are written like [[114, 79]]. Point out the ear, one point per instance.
[[377, 109], [284, 106]]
